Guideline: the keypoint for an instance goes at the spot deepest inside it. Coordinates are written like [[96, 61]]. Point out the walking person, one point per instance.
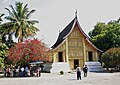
[[26, 71], [38, 71], [5, 71], [78, 73], [85, 70]]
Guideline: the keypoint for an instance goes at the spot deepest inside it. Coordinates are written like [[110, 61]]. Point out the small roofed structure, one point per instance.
[[37, 62]]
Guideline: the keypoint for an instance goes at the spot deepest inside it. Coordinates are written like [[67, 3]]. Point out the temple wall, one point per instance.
[[62, 48], [75, 47], [95, 53]]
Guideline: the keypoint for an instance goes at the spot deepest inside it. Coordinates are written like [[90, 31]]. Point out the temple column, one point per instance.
[[54, 57], [84, 50], [66, 49], [96, 56]]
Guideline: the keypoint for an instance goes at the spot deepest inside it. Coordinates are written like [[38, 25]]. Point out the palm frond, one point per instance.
[[10, 18], [35, 28], [32, 21], [28, 15], [10, 12], [14, 12], [19, 9], [25, 11], [1, 16]]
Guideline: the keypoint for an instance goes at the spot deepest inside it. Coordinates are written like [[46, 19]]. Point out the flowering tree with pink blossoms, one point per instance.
[[30, 50]]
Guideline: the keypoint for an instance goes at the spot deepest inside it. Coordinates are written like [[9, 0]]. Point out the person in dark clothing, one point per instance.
[[14, 73], [85, 69], [41, 66], [8, 72], [78, 73], [5, 71]]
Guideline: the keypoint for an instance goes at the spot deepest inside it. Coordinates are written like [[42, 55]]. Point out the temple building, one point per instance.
[[74, 47]]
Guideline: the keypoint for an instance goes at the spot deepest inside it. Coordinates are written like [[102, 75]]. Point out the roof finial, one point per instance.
[[76, 14]]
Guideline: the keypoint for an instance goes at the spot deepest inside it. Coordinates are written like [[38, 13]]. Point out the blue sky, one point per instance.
[[54, 15]]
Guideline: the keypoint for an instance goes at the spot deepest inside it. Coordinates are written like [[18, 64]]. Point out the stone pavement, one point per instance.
[[66, 79]]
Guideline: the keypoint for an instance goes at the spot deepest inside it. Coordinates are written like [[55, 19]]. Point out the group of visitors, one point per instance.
[[26, 71], [22, 71], [17, 71], [78, 70]]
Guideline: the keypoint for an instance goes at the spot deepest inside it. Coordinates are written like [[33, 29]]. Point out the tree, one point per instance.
[[3, 54], [106, 36], [2, 30], [28, 51], [3, 47], [19, 23], [111, 58], [9, 41], [98, 29]]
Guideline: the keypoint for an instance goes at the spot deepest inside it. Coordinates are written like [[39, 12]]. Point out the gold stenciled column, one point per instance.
[[96, 56], [66, 49], [54, 58], [84, 50]]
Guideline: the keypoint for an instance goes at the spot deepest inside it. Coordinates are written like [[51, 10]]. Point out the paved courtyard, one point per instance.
[[66, 79]]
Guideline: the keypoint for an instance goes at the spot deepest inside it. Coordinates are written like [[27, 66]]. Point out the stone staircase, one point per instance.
[[60, 66], [94, 67]]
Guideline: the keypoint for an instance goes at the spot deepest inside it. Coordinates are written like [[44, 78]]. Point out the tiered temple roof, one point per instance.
[[67, 30]]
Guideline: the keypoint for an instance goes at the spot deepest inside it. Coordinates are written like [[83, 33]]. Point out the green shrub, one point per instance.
[[111, 58]]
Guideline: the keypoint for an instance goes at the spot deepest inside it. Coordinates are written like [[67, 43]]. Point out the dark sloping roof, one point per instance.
[[63, 33]]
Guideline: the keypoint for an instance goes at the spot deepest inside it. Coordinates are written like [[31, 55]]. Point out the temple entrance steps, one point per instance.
[[60, 66], [94, 66]]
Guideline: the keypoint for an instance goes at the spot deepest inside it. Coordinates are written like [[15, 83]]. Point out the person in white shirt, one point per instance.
[[39, 71], [22, 72], [17, 72]]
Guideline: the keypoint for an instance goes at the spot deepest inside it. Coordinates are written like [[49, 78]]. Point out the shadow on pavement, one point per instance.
[[71, 79]]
